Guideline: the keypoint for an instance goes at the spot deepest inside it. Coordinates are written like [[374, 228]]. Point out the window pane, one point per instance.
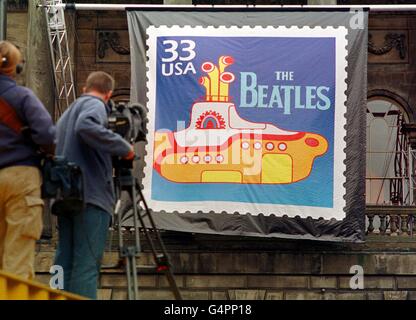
[[386, 158]]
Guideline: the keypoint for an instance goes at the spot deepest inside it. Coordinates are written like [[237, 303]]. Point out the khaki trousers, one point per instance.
[[21, 210]]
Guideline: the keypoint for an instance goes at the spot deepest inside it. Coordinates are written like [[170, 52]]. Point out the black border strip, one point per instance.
[[241, 9]]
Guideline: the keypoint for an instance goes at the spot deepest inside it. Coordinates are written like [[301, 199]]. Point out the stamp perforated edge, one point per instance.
[[340, 33]]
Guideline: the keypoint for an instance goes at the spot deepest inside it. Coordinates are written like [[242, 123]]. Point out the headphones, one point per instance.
[[19, 66]]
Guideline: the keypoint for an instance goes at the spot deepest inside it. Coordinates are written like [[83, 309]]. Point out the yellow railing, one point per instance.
[[13, 287]]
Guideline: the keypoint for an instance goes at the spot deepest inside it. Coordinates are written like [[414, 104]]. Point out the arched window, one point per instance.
[[387, 174]]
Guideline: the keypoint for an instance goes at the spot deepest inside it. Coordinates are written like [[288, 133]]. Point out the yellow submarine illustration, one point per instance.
[[219, 146]]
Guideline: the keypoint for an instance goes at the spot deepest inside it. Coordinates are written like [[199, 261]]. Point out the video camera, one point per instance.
[[128, 120]]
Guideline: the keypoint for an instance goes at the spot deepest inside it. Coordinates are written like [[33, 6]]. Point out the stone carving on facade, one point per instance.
[[392, 41], [110, 40]]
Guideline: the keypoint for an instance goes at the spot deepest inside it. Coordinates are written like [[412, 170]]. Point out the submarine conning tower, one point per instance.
[[217, 81], [213, 112], [217, 111]]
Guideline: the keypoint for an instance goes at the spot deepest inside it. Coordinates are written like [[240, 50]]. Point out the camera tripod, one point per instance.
[[125, 181]]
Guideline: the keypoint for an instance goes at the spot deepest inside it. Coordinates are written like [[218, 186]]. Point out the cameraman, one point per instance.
[[25, 125], [83, 138]]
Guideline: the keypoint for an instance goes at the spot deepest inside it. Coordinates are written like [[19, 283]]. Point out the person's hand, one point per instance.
[[130, 156], [47, 150]]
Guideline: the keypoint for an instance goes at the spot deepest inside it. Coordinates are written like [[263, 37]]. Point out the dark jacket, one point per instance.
[[83, 138], [15, 149]]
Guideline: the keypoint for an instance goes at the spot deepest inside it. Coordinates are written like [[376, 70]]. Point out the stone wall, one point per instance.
[[212, 269], [17, 28], [91, 27], [394, 72], [17, 22]]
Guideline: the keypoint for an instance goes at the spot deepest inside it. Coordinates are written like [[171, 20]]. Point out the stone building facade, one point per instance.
[[220, 267]]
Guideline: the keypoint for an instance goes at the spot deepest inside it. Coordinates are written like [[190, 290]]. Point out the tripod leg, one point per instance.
[[118, 224], [131, 252], [166, 263], [172, 284], [133, 198], [128, 273], [131, 271], [135, 282], [127, 253]]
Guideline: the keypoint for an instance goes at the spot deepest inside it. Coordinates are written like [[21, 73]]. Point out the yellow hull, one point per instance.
[[258, 161]]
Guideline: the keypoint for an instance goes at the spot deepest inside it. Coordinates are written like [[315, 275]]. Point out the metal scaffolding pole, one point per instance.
[[60, 56], [3, 19], [121, 7]]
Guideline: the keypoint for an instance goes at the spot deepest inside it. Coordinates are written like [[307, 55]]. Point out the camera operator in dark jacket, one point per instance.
[[25, 127], [83, 138]]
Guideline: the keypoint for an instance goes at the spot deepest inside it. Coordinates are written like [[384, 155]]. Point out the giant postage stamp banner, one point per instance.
[[248, 120]]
